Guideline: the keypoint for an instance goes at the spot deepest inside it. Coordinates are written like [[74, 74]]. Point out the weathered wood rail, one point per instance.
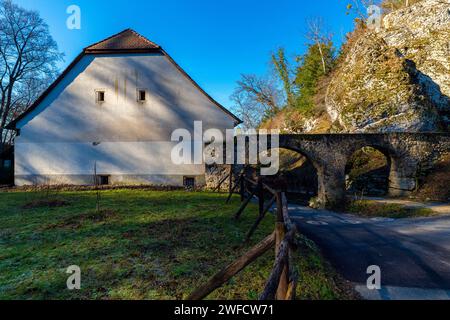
[[283, 280]]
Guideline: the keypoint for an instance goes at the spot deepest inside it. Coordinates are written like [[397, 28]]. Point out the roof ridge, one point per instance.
[[143, 37], [145, 40], [106, 39]]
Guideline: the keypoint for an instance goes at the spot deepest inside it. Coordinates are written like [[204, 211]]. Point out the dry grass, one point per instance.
[[372, 209]]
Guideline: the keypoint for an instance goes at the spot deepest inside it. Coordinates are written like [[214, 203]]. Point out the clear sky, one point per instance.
[[215, 41]]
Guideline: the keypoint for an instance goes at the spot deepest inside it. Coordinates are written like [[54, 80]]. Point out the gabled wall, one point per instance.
[[69, 131]]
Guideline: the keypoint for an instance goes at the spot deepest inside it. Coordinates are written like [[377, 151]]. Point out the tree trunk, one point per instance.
[[2, 111], [322, 57], [6, 107], [280, 233]]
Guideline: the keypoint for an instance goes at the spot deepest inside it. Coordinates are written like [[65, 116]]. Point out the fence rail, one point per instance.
[[283, 279]]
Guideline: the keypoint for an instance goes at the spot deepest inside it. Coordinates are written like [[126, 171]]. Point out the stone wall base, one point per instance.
[[115, 180], [401, 187]]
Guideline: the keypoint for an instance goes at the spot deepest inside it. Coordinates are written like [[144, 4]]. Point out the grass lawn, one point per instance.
[[142, 245], [367, 208]]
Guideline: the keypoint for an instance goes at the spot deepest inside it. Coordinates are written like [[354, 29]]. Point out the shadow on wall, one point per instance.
[[433, 91], [109, 122]]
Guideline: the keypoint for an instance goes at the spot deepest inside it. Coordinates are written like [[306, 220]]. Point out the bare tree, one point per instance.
[[319, 36], [28, 61], [255, 98]]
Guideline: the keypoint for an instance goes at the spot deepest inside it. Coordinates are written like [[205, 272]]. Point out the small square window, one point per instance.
[[103, 180], [141, 95], [189, 182], [7, 164], [100, 96]]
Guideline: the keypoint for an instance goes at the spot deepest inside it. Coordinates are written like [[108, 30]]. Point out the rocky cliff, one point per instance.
[[396, 78]]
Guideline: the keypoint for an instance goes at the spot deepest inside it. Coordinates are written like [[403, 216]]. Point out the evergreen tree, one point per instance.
[[284, 74], [310, 70]]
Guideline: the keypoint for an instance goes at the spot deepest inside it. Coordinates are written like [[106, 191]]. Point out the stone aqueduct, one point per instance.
[[408, 154]]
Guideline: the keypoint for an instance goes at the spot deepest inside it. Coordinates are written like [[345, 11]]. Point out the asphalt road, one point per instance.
[[413, 254]]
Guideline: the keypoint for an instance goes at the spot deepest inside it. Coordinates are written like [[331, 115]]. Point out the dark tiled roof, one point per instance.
[[123, 41]]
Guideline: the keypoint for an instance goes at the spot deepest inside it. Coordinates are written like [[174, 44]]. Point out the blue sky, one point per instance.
[[214, 41]]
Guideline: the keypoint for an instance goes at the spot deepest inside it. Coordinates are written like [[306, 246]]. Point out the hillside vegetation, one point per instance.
[[395, 78]]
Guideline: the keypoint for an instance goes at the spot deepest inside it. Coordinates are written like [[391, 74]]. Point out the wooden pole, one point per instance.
[[242, 191], [220, 184], [260, 196], [243, 206], [233, 189], [234, 268], [291, 292], [260, 218], [293, 276], [96, 187], [285, 212], [273, 284], [280, 232], [230, 187]]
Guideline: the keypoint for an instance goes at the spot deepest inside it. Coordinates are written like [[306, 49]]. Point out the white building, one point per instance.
[[114, 108]]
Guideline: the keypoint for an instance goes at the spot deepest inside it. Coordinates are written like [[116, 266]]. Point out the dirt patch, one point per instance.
[[75, 222], [46, 203]]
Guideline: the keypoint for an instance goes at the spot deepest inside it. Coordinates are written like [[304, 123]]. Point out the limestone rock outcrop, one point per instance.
[[396, 78]]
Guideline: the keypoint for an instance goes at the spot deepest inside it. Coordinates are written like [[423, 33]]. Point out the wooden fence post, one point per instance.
[[260, 218], [230, 187], [242, 191], [243, 206], [260, 189], [273, 284], [280, 233]]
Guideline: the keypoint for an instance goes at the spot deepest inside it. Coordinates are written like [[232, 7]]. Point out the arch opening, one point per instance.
[[368, 172], [297, 176]]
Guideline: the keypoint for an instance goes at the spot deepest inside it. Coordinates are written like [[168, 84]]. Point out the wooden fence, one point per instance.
[[282, 282]]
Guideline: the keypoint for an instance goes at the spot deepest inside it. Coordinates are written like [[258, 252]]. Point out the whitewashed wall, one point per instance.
[[69, 131]]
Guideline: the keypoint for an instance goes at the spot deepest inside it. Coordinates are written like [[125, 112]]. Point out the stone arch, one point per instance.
[[319, 171], [326, 153], [330, 153], [368, 171], [402, 165]]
